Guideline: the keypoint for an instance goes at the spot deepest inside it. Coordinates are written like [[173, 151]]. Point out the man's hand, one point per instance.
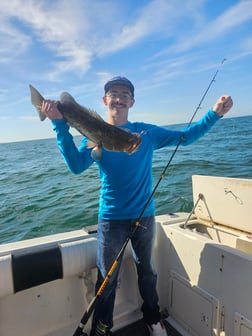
[[50, 109], [223, 105]]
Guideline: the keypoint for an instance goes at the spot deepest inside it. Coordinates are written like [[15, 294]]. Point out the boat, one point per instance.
[[203, 260]]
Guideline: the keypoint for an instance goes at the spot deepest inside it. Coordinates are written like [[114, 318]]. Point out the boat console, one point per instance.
[[209, 259], [222, 211]]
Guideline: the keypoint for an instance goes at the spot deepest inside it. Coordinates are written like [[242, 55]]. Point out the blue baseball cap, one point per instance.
[[118, 80]]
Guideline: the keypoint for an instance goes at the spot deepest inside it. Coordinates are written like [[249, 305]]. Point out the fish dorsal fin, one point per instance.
[[95, 114], [65, 97]]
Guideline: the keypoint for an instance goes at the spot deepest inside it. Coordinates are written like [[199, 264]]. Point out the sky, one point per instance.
[[169, 49]]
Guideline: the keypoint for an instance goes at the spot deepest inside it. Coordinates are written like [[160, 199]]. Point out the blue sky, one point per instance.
[[169, 49]]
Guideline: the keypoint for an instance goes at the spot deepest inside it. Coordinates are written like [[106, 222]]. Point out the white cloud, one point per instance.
[[78, 31], [149, 20], [246, 44], [59, 25], [218, 28], [13, 42], [157, 17]]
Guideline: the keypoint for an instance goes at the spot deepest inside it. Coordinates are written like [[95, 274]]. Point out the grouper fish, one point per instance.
[[91, 125]]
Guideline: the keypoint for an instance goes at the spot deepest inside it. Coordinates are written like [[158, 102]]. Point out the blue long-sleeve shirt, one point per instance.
[[127, 179]]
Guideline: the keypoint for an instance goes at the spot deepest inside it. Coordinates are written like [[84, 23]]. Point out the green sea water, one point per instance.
[[39, 196]]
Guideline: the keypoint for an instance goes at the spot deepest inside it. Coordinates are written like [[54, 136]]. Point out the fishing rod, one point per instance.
[[80, 329]]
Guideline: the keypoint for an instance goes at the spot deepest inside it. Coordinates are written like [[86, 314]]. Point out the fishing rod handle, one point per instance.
[[79, 332]]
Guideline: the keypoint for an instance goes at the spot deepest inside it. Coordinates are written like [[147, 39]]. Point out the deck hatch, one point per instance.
[[242, 326], [193, 308]]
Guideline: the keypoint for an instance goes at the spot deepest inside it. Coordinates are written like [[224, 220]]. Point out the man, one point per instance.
[[126, 186]]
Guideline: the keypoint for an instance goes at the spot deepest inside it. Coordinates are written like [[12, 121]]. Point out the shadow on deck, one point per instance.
[[139, 329]]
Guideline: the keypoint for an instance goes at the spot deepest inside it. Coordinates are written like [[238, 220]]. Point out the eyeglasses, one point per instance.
[[123, 96]]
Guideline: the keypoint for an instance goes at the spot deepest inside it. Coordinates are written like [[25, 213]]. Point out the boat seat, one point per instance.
[[6, 283], [78, 256], [22, 270], [26, 269]]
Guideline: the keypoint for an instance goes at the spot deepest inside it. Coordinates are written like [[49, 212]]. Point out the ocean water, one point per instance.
[[39, 196]]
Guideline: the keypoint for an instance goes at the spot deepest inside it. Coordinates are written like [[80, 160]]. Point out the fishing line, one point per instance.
[[80, 329]]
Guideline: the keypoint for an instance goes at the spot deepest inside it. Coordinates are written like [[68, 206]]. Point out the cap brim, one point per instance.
[[112, 83]]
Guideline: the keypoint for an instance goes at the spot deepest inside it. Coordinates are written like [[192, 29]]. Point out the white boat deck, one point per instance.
[[204, 268]]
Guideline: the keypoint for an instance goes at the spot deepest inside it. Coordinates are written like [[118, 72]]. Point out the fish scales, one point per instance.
[[91, 125]]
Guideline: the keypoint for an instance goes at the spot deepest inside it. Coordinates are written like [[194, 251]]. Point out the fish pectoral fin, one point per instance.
[[96, 153]]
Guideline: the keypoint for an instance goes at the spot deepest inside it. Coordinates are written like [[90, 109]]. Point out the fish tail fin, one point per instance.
[[37, 100]]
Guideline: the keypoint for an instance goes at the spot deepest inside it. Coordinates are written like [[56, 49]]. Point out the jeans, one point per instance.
[[111, 236]]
